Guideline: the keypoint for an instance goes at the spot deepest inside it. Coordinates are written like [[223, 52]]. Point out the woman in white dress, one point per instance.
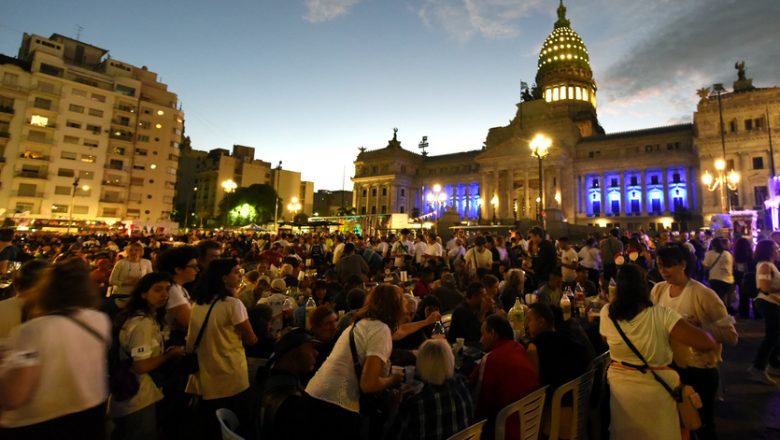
[[641, 408], [129, 270]]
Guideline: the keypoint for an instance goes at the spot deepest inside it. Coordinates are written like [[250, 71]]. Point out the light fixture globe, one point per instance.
[[706, 178], [720, 164]]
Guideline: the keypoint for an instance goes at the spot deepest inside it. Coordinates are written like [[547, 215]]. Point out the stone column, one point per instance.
[[603, 189], [666, 209], [643, 193], [527, 195]]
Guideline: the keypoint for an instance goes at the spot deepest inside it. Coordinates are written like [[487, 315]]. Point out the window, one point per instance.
[[365, 192], [613, 183], [384, 209], [80, 209], [88, 158], [123, 120], [403, 193], [145, 124], [137, 181], [76, 108], [59, 209], [70, 140], [363, 210], [373, 210], [10, 79], [66, 172], [67, 155], [758, 163], [133, 213], [373, 193], [24, 207], [86, 175], [141, 152], [384, 191], [759, 123], [27, 190], [654, 180], [119, 150], [96, 129], [96, 112], [676, 178], [139, 167], [748, 124], [761, 193], [634, 181], [655, 205], [42, 103], [62, 190], [648, 148], [90, 143], [401, 209], [50, 70], [109, 212], [39, 121], [596, 208], [73, 124], [143, 138], [733, 126], [98, 98], [125, 90], [79, 92]]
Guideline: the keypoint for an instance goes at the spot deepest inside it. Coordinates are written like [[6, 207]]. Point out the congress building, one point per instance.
[[649, 178]]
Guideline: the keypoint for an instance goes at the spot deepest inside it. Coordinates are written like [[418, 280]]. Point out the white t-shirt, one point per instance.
[[125, 270], [223, 370], [434, 250], [337, 251], [775, 283], [10, 316], [177, 295], [336, 381], [141, 337], [569, 257], [402, 247], [721, 266], [591, 257], [419, 251], [483, 260], [648, 331], [74, 369]]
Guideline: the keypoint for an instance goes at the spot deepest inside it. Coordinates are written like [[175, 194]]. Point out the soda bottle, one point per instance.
[[612, 289], [310, 306], [517, 318], [566, 307]]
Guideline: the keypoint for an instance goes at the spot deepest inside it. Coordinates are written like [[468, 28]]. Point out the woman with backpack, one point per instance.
[[140, 347]]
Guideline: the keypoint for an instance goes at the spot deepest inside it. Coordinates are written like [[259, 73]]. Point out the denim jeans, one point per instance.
[[768, 350]]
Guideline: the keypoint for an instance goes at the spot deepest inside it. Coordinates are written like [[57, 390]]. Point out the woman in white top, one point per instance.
[[719, 261], [54, 385], [768, 303], [641, 407], [141, 339], [222, 380], [590, 258], [129, 270], [336, 387]]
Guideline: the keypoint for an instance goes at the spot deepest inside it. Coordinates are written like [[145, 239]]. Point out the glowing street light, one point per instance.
[[540, 148], [294, 206], [494, 202], [722, 180], [228, 186]]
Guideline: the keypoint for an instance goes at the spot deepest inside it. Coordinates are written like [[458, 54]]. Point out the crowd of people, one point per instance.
[[405, 336]]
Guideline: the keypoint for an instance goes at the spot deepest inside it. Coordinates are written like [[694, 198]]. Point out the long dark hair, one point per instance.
[[743, 250], [211, 284], [66, 285], [138, 304], [764, 251], [632, 296], [673, 254]]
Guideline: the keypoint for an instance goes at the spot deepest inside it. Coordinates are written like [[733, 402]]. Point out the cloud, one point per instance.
[[325, 10], [696, 48], [463, 19]]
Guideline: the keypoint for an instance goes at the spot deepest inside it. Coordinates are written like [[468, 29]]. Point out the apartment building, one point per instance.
[[85, 136]]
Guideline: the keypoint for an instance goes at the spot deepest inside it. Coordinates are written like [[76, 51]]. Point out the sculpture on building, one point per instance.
[[740, 66]]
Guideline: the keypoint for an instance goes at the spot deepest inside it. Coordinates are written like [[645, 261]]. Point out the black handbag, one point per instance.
[[374, 408], [188, 364]]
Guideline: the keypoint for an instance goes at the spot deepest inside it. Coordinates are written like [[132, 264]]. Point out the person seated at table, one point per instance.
[[583, 280], [556, 358], [411, 335], [504, 376], [444, 402], [468, 316], [551, 291], [323, 327], [423, 285], [447, 293]]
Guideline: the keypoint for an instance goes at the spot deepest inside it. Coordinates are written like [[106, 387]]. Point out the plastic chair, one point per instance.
[[599, 414], [228, 423], [578, 428], [473, 432], [529, 409]]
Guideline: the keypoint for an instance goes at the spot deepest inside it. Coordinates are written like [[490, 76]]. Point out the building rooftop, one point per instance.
[[5, 59], [639, 133]]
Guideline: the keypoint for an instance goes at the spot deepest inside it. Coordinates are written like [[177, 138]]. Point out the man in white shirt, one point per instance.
[[433, 249], [569, 260], [402, 248], [419, 248], [478, 257]]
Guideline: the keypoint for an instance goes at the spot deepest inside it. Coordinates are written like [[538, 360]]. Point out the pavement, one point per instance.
[[749, 410]]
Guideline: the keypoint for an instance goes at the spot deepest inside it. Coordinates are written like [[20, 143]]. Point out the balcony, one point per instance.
[[111, 199], [34, 156], [52, 125], [122, 123], [31, 174], [121, 136], [125, 108], [40, 140], [48, 90], [109, 166], [115, 183], [6, 109], [33, 194]]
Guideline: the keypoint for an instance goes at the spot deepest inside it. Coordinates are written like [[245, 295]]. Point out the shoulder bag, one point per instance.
[[189, 363], [688, 401], [374, 408]]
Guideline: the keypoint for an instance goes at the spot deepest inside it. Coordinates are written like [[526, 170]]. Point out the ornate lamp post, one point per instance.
[[436, 198], [294, 206], [84, 188], [723, 180], [228, 186], [540, 148]]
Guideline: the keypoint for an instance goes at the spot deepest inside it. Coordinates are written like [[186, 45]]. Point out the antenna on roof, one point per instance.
[[79, 28], [423, 145]]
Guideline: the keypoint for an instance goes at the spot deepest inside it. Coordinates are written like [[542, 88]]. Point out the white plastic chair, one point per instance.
[[473, 432], [228, 423], [529, 409], [578, 428]]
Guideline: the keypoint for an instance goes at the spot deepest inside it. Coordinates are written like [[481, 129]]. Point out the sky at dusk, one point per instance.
[[309, 81]]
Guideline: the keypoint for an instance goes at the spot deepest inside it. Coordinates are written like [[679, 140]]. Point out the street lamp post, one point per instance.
[[228, 186], [276, 197], [294, 206], [723, 181], [540, 148], [73, 199], [436, 198]]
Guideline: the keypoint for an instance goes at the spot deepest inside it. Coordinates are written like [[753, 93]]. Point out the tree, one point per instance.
[[345, 211], [251, 204]]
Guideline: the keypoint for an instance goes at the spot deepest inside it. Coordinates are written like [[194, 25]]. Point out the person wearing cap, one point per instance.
[[281, 392]]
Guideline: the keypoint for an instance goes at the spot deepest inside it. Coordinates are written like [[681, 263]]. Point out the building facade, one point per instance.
[[649, 178], [84, 135]]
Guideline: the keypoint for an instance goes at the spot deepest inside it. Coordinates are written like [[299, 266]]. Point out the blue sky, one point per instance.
[[309, 81]]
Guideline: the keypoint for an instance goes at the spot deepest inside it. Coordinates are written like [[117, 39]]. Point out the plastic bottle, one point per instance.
[[517, 318], [311, 305], [579, 296], [612, 289], [566, 307]]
